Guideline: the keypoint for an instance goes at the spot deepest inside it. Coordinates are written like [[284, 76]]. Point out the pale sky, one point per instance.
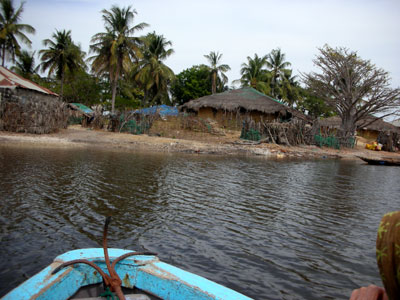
[[239, 28]]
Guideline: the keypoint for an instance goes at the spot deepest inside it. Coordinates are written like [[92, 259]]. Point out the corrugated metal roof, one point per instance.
[[11, 80], [81, 107]]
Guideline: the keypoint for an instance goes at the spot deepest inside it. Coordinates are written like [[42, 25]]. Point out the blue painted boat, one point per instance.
[[74, 270], [145, 272]]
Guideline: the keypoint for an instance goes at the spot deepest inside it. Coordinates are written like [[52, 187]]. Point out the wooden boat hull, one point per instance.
[[147, 273], [382, 161]]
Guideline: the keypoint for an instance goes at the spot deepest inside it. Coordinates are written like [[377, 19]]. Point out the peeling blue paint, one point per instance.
[[144, 272]]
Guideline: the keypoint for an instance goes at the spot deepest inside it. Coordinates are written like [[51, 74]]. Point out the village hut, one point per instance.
[[80, 114], [237, 105], [370, 127], [27, 107], [328, 126]]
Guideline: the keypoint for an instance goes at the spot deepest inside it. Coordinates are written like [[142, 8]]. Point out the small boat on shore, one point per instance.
[[119, 274], [381, 161]]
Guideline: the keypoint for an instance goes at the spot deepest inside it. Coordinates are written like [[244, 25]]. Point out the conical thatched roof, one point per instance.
[[332, 122], [369, 123], [377, 124], [246, 98]]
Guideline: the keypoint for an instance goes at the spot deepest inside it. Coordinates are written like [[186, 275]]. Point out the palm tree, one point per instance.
[[61, 56], [277, 66], [25, 64], [153, 74], [290, 88], [11, 30], [115, 48], [216, 69], [254, 74]]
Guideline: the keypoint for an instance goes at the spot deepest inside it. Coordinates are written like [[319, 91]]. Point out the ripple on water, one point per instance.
[[269, 229]]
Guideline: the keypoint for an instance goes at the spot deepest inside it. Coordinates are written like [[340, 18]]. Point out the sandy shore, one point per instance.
[[77, 136]]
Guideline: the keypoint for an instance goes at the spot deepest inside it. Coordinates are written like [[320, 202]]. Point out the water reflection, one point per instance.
[[269, 229]]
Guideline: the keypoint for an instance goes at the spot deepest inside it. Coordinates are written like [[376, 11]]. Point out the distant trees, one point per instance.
[[201, 80], [25, 64], [289, 89], [61, 56], [153, 75], [353, 87], [270, 74], [314, 106], [125, 67], [11, 30], [133, 70], [279, 73], [83, 87], [255, 74], [217, 70], [191, 83], [116, 48]]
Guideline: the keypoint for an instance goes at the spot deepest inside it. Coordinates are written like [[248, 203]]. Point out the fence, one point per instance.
[[135, 124], [334, 142], [295, 132]]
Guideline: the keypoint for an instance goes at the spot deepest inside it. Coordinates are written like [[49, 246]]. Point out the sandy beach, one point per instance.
[[229, 144]]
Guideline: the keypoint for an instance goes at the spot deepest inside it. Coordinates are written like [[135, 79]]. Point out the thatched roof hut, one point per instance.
[[376, 124], [369, 123], [331, 122], [369, 127], [244, 100]]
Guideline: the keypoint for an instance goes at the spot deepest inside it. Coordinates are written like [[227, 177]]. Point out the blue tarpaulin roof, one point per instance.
[[163, 110]]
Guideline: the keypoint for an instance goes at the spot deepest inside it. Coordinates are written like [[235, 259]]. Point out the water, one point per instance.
[[269, 229]]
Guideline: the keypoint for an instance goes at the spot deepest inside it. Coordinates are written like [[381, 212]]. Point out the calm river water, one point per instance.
[[268, 229]]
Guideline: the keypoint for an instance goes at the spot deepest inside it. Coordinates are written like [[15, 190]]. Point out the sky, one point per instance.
[[238, 29]]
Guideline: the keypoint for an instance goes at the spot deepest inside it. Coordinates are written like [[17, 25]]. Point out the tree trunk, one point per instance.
[[114, 87], [146, 97], [348, 126], [3, 50], [114, 92], [62, 85], [214, 83]]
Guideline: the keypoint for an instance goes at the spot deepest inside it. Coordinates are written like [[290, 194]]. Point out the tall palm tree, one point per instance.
[[216, 69], [290, 89], [278, 67], [115, 48], [153, 74], [25, 64], [61, 56], [255, 74], [11, 31]]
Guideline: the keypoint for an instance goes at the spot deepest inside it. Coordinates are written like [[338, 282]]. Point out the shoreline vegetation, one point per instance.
[[126, 70], [76, 136]]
